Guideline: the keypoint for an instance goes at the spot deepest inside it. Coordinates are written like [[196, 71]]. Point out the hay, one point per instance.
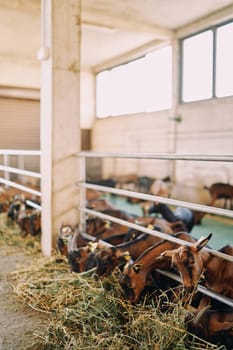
[[11, 238], [88, 314]]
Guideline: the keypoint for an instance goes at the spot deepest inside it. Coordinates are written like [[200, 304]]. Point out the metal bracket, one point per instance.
[[177, 118]]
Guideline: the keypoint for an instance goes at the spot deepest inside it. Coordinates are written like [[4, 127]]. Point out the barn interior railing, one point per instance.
[[7, 170], [83, 185]]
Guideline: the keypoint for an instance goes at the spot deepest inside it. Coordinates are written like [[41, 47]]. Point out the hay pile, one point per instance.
[[11, 238], [88, 314]]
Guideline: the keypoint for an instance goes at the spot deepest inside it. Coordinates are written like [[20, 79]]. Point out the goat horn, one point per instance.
[[200, 314], [203, 241]]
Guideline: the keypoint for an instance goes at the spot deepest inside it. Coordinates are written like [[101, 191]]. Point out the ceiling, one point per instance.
[[110, 28]]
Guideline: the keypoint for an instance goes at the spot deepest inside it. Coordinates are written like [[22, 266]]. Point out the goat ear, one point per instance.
[[108, 224], [151, 227], [137, 268], [201, 243], [165, 254], [92, 246]]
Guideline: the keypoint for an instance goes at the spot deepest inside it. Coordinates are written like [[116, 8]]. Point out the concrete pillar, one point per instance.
[[60, 115], [173, 117]]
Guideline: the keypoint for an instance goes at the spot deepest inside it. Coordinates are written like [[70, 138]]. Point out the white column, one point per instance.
[[60, 115], [173, 123]]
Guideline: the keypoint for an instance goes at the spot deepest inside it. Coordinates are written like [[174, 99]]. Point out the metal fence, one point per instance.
[[8, 170], [83, 185]]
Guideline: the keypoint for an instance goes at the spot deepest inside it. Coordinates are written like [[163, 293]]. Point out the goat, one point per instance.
[[220, 190], [109, 257], [193, 262], [97, 226], [30, 222], [107, 182], [106, 256], [28, 219], [134, 276], [100, 204], [127, 182], [17, 205], [75, 247], [4, 206], [157, 188], [79, 249], [68, 239], [185, 215], [92, 194], [82, 259], [213, 325]]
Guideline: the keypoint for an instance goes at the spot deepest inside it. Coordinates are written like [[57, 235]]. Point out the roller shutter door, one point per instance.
[[20, 124]]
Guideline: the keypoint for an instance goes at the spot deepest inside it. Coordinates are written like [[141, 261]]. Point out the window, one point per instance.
[[143, 85], [224, 61], [198, 67], [207, 69]]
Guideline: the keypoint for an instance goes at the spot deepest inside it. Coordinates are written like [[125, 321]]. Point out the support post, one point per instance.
[[60, 116]]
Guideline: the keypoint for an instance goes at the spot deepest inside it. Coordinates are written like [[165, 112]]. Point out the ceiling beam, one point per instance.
[[211, 19], [131, 55], [121, 24]]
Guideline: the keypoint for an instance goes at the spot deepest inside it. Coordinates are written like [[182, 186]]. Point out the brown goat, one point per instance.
[[213, 325], [69, 239], [192, 263], [220, 190], [81, 259], [109, 257], [135, 274]]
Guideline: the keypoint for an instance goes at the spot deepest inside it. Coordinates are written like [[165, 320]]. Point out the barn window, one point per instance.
[[207, 64], [142, 85], [198, 67], [224, 59]]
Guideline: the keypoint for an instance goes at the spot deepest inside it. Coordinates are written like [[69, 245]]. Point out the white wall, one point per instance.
[[19, 74], [87, 100], [206, 128]]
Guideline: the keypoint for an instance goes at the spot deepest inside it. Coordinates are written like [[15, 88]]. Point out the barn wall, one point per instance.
[[206, 128], [13, 73], [139, 133]]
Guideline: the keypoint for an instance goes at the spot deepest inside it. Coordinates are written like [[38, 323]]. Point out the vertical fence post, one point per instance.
[[82, 194], [6, 162], [21, 165]]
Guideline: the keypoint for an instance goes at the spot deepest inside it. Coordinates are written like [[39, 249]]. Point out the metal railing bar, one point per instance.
[[148, 197], [202, 289], [165, 156], [171, 275], [20, 187], [155, 233], [226, 300], [33, 204], [20, 171], [132, 225]]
